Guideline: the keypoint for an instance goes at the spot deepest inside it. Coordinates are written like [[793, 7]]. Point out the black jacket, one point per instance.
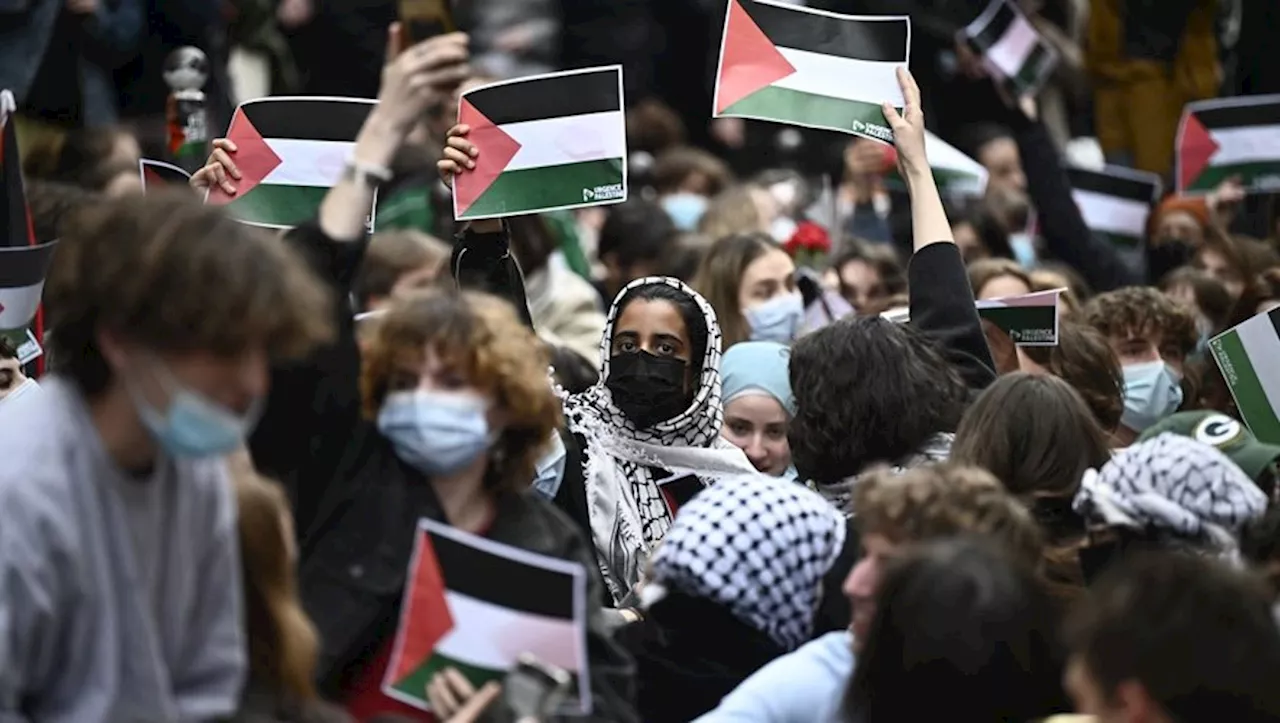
[[357, 505]]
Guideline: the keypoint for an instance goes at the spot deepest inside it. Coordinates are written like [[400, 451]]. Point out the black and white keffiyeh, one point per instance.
[[626, 508], [1173, 485], [760, 548]]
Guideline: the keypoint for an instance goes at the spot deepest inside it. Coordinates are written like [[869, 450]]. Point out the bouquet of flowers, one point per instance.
[[809, 245]]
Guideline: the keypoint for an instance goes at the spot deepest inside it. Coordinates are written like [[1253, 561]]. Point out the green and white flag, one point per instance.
[[956, 174], [1226, 137], [1029, 319], [290, 152], [1249, 357], [811, 68], [1115, 202], [1010, 47], [546, 142]]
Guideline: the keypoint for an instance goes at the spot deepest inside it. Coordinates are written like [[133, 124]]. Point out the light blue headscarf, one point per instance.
[[759, 367]]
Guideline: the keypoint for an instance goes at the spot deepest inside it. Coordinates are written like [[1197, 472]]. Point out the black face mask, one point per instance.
[[648, 389]]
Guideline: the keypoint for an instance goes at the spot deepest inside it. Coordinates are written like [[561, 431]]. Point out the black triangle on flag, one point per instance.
[[15, 217]]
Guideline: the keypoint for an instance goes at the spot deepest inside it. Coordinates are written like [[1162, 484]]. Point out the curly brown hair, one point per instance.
[[1085, 360], [172, 274], [1142, 311], [481, 338], [944, 500]]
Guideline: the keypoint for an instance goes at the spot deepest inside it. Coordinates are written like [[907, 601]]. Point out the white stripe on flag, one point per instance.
[[1034, 299], [493, 637], [1249, 144], [868, 81], [568, 139], [944, 156], [1110, 214], [1258, 336], [308, 163], [1012, 49], [18, 305]]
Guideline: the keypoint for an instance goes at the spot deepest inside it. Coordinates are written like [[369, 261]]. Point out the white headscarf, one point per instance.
[[624, 503]]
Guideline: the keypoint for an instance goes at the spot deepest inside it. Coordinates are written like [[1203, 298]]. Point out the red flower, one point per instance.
[[810, 237]]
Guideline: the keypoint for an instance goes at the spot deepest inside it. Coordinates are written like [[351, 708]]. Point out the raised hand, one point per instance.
[[420, 77], [459, 154], [908, 128]]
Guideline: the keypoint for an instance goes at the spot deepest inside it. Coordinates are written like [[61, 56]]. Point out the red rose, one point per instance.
[[810, 236]]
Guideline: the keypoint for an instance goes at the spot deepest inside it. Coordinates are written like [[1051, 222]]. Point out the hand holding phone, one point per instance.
[[423, 19]]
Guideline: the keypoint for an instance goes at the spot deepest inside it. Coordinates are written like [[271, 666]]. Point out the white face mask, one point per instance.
[[26, 387]]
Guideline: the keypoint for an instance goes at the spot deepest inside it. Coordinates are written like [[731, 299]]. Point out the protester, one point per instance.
[[13, 383], [751, 284], [685, 179], [1085, 360], [867, 276], [742, 209], [1256, 459], [167, 313], [396, 263], [758, 405], [635, 241], [997, 279]]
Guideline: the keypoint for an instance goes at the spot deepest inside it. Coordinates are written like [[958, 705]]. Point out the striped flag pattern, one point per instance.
[[546, 142], [811, 68], [24, 264], [1029, 319], [1115, 202], [1011, 47], [955, 173], [1247, 355], [476, 606], [1226, 137], [158, 175], [290, 152]]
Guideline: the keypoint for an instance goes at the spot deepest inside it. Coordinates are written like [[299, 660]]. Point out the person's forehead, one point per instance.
[[651, 316], [758, 406], [773, 263]]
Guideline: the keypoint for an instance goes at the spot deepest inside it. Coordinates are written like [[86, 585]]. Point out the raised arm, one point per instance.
[[941, 300]]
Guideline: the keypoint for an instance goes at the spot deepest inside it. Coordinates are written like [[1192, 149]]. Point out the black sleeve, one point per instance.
[[834, 612], [314, 403], [942, 307], [483, 262]]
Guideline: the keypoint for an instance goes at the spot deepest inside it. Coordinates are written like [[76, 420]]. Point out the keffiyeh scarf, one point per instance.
[[760, 548], [1176, 486], [624, 503]]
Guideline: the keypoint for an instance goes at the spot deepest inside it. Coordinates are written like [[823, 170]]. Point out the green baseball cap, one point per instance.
[[1218, 430]]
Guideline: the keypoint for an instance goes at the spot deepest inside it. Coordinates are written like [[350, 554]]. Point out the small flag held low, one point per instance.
[[22, 273], [956, 174], [678, 489], [290, 152], [811, 68], [157, 175], [1247, 355], [1010, 47], [1226, 137], [1029, 319], [1115, 202], [476, 606], [546, 142]]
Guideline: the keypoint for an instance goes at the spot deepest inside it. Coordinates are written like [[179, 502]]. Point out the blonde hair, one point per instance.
[[731, 211]]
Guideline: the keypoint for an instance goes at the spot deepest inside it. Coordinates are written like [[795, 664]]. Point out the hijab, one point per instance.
[[758, 367], [625, 504]]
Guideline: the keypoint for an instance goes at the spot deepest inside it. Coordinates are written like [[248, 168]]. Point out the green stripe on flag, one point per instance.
[[1242, 378], [1249, 173], [414, 684], [807, 109], [548, 187], [272, 205], [1024, 324]]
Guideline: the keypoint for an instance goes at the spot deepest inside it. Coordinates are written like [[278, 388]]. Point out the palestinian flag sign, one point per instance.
[[811, 68], [1115, 202], [1029, 319], [1010, 47], [23, 264], [476, 606], [1226, 137], [157, 175], [678, 489], [1247, 356], [956, 174], [290, 152], [546, 142]]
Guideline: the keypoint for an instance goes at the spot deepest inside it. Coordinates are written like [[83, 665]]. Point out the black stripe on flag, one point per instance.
[[1238, 116], [1274, 316], [1106, 184], [995, 29], [15, 228], [786, 27], [594, 91], [25, 265], [308, 119], [502, 581]]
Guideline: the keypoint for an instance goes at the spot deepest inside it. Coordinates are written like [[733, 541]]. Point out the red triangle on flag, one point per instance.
[[1196, 147], [749, 60], [253, 157], [496, 151], [425, 619], [152, 179]]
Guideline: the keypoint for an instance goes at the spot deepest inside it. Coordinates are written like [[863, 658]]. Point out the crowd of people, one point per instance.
[[789, 504]]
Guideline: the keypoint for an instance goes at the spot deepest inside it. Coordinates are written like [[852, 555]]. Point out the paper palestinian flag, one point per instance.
[[158, 175], [1010, 47], [1115, 202], [290, 152], [24, 264], [811, 68], [678, 489], [955, 173], [1029, 319], [476, 606], [1247, 355], [1226, 137], [546, 142]]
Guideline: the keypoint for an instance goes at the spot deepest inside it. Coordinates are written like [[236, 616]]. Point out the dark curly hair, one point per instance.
[[868, 390], [1142, 310]]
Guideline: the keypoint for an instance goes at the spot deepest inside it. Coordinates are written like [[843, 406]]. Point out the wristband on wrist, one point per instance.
[[366, 174]]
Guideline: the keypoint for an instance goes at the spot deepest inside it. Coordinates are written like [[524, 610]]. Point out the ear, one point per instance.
[[113, 349]]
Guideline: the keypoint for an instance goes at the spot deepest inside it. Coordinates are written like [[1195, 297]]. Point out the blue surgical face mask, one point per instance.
[[685, 209], [1151, 393], [1024, 249], [193, 425], [778, 319], [439, 433]]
